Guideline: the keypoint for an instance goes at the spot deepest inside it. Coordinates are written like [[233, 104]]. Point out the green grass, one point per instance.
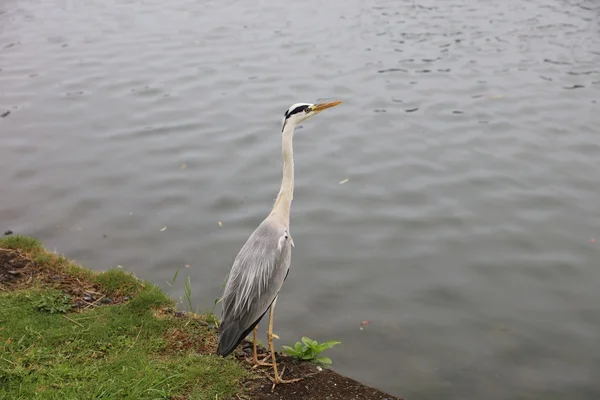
[[135, 350], [24, 243]]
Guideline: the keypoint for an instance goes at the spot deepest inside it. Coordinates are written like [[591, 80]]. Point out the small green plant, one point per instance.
[[210, 315], [188, 289], [52, 301], [174, 278], [309, 350], [188, 293]]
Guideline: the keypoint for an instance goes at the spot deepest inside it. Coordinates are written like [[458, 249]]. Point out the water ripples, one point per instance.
[[467, 135]]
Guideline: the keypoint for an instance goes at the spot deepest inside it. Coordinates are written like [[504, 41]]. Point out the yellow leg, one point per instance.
[[255, 359], [277, 378]]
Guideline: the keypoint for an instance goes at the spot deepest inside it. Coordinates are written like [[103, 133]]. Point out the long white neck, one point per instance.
[[283, 203]]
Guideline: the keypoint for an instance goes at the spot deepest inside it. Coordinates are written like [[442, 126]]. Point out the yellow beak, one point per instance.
[[323, 106]]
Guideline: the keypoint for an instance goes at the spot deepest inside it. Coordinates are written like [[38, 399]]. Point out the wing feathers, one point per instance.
[[255, 279]]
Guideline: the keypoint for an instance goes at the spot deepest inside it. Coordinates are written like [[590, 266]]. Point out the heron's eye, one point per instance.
[[307, 110]]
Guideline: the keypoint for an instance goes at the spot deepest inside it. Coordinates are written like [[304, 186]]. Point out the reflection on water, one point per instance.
[[468, 136]]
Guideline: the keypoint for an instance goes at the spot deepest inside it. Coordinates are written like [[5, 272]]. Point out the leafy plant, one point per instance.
[[52, 301], [309, 350]]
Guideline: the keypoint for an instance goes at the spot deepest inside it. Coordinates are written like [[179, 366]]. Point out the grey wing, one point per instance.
[[254, 282]]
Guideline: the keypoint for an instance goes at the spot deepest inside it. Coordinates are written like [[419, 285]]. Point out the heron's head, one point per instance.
[[300, 112]]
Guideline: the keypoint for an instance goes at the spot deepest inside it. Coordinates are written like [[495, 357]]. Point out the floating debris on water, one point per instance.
[[383, 71], [343, 181], [220, 223], [163, 229]]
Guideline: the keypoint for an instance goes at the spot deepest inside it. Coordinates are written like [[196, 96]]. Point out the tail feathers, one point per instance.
[[230, 335]]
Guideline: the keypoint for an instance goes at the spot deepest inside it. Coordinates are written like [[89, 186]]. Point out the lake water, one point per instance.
[[469, 135]]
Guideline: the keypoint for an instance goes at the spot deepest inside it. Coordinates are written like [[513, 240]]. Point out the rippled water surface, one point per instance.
[[469, 135]]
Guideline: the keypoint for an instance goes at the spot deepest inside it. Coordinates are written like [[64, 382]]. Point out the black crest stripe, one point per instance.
[[296, 110]]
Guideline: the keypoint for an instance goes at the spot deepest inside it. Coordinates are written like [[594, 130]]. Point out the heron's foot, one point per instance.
[[277, 379], [259, 363]]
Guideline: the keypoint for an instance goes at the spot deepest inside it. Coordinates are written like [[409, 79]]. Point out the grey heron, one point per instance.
[[263, 263]]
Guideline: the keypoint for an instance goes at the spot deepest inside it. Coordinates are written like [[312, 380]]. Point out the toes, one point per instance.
[[270, 378], [261, 364]]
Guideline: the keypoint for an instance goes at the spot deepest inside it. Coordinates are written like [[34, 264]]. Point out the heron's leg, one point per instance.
[[255, 359], [277, 378]]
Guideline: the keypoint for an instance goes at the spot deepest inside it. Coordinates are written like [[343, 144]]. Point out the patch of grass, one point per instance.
[[52, 301], [45, 259], [117, 282], [108, 352], [24, 243], [132, 350], [150, 297], [50, 263]]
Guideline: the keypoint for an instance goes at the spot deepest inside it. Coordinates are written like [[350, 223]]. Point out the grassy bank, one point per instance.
[[69, 333], [135, 349]]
